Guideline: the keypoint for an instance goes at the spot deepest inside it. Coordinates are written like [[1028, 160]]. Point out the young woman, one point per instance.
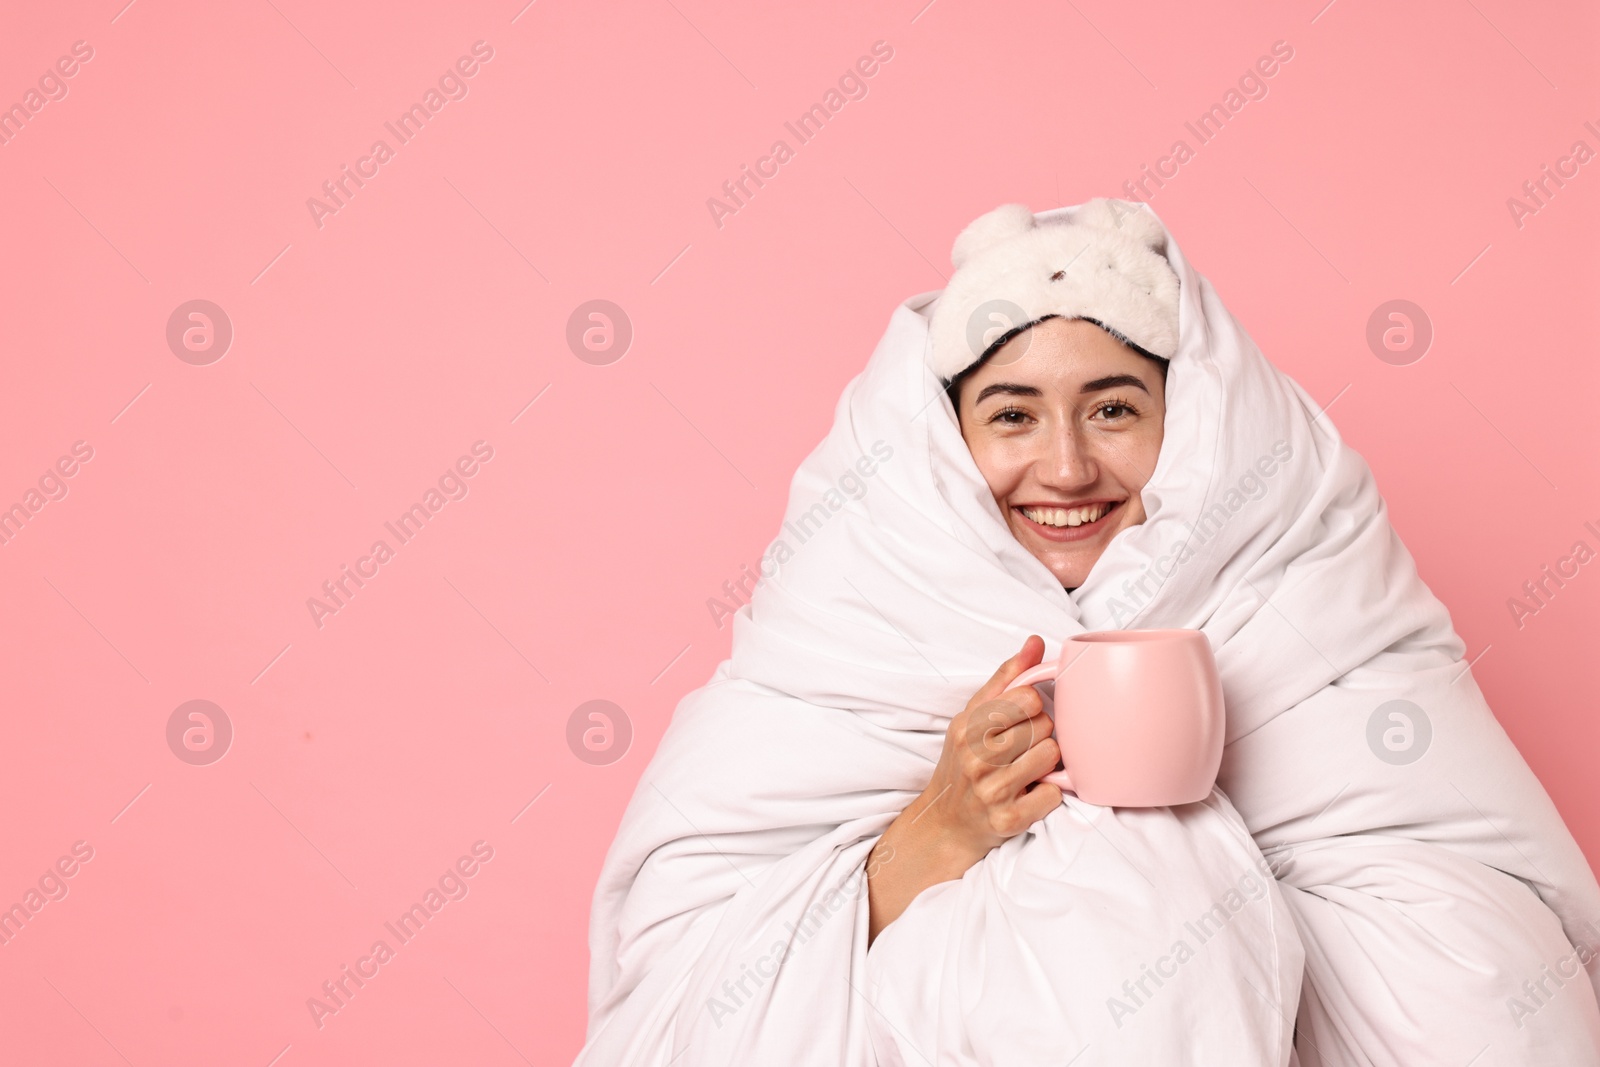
[[841, 853]]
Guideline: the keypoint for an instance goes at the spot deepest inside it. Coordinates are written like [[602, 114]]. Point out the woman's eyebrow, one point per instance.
[[1111, 382], [1013, 389], [1006, 387]]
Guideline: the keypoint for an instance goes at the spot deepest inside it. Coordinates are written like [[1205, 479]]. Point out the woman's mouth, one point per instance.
[[1068, 524]]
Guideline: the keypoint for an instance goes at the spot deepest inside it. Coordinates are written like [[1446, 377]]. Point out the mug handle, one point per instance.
[[1044, 672]]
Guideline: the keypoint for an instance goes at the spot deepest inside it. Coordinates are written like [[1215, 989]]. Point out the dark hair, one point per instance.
[[952, 388]]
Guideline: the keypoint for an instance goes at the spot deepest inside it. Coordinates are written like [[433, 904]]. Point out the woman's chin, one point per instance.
[[1070, 562], [1071, 577], [1070, 566]]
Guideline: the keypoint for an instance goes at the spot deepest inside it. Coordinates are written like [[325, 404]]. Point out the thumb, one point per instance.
[[1030, 655]]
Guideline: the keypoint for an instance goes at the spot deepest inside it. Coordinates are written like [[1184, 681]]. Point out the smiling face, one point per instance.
[[1064, 422]]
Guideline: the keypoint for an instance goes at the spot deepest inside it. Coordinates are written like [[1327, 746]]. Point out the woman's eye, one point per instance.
[[1120, 409], [1009, 416]]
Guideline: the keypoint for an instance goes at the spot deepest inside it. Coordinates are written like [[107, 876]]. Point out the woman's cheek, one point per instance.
[[1007, 464]]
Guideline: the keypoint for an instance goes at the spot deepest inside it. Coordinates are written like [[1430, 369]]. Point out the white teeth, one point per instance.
[[1066, 516]]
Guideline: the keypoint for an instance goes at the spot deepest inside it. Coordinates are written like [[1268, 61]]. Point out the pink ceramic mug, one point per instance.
[[1138, 715]]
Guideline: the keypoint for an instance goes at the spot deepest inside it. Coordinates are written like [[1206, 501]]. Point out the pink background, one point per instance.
[[369, 354]]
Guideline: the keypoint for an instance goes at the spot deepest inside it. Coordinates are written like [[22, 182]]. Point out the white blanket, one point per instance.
[[1428, 898]]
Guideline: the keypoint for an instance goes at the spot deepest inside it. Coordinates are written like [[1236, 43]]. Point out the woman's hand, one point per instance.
[[982, 792]]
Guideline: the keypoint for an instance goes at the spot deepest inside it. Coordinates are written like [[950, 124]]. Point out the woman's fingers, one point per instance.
[[990, 800], [1038, 802], [1023, 734], [996, 731], [1030, 655], [1039, 760]]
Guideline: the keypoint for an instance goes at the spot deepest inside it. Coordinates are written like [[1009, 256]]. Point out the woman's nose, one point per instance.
[[1067, 460]]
